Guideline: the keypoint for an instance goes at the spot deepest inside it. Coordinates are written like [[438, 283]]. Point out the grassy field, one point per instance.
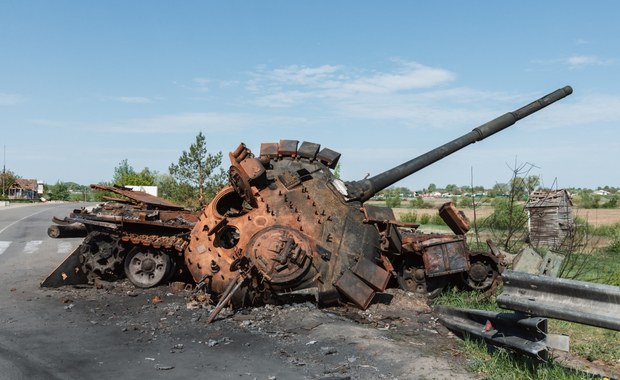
[[595, 217]]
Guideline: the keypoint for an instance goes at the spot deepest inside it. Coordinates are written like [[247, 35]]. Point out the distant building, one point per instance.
[[601, 192], [550, 217], [25, 189]]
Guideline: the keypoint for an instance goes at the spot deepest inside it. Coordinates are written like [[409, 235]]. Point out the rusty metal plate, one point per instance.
[[356, 290], [252, 167], [445, 258], [328, 157], [308, 150], [140, 196], [269, 150], [378, 214], [456, 220], [372, 274], [288, 148]]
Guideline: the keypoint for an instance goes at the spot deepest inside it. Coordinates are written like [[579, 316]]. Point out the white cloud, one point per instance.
[[290, 85], [201, 84], [191, 121], [9, 99], [576, 61], [130, 99]]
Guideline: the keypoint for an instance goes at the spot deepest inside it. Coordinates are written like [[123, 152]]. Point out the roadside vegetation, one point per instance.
[[591, 253]]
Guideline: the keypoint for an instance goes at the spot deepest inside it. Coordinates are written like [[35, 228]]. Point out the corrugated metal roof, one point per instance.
[[549, 198]]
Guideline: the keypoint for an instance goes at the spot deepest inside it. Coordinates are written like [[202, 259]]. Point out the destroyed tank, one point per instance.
[[287, 227], [133, 234]]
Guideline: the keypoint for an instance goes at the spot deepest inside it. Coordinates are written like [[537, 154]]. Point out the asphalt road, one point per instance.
[[120, 333]]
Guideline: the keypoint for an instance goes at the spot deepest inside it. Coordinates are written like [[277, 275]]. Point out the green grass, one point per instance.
[[502, 365], [590, 342]]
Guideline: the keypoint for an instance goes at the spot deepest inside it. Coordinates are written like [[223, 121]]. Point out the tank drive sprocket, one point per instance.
[[101, 256]]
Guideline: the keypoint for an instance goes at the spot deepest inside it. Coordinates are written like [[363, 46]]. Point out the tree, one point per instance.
[[199, 169], [393, 201], [432, 188], [452, 188], [58, 192], [124, 175], [7, 179], [337, 171]]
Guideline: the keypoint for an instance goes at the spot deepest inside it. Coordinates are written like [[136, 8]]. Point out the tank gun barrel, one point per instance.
[[365, 189]]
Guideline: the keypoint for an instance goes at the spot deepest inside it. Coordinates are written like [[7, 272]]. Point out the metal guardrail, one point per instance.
[[575, 301], [518, 332]]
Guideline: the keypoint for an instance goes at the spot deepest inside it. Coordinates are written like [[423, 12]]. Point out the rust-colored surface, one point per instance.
[[148, 200], [286, 220], [455, 219]]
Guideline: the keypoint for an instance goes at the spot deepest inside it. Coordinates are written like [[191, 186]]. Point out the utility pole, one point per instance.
[[4, 172]]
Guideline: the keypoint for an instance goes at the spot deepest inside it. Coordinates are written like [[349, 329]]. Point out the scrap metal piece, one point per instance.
[[268, 151], [455, 219], [372, 274], [140, 197], [569, 300], [329, 157], [529, 261], [288, 148], [445, 255], [353, 288], [518, 332], [69, 272], [308, 150]]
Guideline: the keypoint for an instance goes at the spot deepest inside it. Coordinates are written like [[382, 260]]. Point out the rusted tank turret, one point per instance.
[[287, 226]]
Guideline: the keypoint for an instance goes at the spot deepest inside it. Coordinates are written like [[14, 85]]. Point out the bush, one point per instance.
[[506, 216], [393, 201], [425, 219], [416, 202], [409, 217], [612, 202], [466, 201], [436, 220]]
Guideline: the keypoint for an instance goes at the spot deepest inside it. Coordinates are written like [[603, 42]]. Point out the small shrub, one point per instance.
[[416, 202], [436, 220], [425, 219], [409, 217], [393, 201], [466, 201]]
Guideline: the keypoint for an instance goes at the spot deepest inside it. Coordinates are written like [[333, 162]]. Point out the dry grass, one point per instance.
[[595, 217]]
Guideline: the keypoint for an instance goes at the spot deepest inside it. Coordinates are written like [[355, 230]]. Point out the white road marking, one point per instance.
[[65, 247], [32, 246], [4, 245]]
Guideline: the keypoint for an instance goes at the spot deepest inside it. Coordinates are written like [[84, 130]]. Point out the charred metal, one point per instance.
[[286, 227]]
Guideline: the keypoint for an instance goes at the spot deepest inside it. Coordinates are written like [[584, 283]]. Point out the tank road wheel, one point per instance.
[[147, 267], [482, 273], [412, 278], [101, 256]]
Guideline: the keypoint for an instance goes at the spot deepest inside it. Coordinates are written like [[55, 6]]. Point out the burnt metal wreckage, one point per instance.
[[133, 234], [286, 227]]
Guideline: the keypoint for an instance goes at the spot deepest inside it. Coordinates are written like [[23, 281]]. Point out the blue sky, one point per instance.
[[86, 84]]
